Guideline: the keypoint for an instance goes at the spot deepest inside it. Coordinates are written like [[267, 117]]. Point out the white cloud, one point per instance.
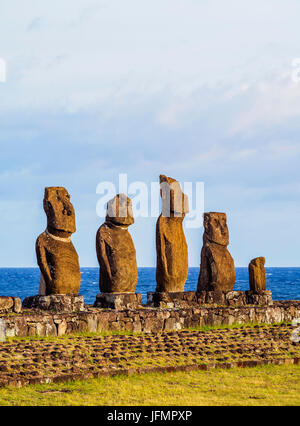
[[197, 90], [272, 102], [80, 54]]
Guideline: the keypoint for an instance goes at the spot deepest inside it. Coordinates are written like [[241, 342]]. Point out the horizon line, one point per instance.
[[98, 267]]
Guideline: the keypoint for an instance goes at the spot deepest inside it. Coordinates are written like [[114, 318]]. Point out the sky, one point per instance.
[[199, 90]]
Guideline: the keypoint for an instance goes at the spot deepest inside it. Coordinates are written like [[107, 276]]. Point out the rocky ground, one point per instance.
[[36, 360]]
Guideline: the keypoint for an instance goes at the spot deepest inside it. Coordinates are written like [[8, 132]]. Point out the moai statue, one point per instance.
[[257, 275], [217, 271], [115, 248], [56, 255], [171, 246]]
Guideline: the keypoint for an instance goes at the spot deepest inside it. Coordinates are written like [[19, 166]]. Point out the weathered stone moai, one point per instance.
[[258, 295], [257, 275], [56, 255], [217, 271], [171, 246], [117, 257]]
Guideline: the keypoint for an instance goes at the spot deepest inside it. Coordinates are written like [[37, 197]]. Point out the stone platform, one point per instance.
[[165, 300], [118, 301], [10, 304], [55, 302], [235, 298], [262, 298], [146, 320], [220, 298]]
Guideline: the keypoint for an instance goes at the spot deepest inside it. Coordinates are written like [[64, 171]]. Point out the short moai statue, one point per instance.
[[56, 255], [117, 257], [258, 294], [171, 246], [257, 275], [217, 272]]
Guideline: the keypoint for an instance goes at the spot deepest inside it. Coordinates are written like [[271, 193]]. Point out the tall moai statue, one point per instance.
[[56, 255], [115, 248], [217, 271], [171, 246], [257, 275]]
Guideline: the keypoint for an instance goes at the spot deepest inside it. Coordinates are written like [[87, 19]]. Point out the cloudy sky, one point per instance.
[[200, 90]]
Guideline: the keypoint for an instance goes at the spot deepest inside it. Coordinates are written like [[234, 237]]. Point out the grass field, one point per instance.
[[268, 385]]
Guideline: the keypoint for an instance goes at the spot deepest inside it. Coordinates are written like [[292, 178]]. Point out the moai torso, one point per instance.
[[56, 255], [217, 272], [115, 249], [171, 246], [257, 274], [59, 265]]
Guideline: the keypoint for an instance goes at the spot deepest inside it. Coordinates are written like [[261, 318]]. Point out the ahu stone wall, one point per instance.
[[44, 323]]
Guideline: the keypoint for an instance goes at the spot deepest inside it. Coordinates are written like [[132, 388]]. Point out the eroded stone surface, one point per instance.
[[10, 304], [115, 248], [118, 301], [171, 246], [44, 323], [217, 271], [201, 298], [259, 297], [56, 255], [257, 274], [55, 302], [172, 300]]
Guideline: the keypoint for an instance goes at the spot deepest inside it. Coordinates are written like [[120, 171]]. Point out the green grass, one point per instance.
[[267, 385], [235, 326]]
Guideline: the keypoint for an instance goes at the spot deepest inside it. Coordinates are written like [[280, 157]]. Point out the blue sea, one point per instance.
[[22, 282]]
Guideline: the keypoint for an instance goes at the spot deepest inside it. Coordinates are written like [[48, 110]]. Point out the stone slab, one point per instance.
[[171, 300], [235, 298], [10, 304], [262, 298], [165, 300], [118, 301], [55, 302], [222, 298]]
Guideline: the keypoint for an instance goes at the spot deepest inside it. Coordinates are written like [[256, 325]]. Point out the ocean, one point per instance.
[[22, 282]]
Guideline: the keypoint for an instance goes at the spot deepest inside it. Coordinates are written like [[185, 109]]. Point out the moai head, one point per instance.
[[215, 228], [119, 211], [258, 262], [59, 210], [174, 202]]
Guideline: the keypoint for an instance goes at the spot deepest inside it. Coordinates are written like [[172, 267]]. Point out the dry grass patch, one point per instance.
[[267, 385]]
